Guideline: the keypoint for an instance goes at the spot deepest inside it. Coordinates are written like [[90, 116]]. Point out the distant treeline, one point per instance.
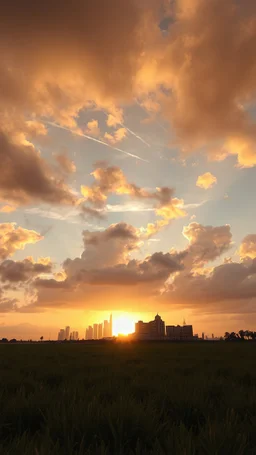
[[242, 335]]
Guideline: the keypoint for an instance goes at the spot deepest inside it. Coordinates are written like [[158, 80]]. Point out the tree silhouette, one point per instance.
[[41, 338], [242, 335]]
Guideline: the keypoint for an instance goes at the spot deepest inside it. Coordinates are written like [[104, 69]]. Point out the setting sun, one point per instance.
[[123, 325]]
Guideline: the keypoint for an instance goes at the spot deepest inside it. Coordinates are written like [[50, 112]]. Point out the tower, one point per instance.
[[67, 333], [110, 326], [95, 331]]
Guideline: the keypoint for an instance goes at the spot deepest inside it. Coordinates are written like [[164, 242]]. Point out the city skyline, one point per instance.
[[92, 332], [127, 165], [97, 331]]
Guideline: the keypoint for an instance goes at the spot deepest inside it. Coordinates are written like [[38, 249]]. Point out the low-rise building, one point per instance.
[[179, 333], [152, 330]]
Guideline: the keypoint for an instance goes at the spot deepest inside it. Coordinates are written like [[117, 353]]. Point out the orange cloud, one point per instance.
[[112, 180], [118, 136], [206, 180], [13, 239], [93, 128], [248, 247], [7, 209]]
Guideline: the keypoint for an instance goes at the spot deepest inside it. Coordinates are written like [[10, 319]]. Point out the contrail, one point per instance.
[[145, 110], [136, 135], [131, 132], [56, 125]]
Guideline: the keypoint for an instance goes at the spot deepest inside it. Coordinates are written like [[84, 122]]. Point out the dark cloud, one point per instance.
[[227, 288], [21, 271], [25, 176], [206, 106]]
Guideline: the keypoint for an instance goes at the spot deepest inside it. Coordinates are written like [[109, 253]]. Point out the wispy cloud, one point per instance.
[[129, 207], [195, 205], [72, 216], [140, 207], [77, 133]]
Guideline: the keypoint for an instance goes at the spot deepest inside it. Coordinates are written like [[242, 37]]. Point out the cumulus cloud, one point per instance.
[[118, 136], [64, 67], [93, 128], [25, 176], [206, 180], [107, 248], [226, 289], [111, 179], [14, 238], [21, 271], [248, 247], [207, 243], [106, 271]]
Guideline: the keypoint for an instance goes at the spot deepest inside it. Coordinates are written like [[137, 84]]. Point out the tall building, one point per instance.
[[74, 336], [100, 331], [202, 335], [110, 326], [67, 333], [95, 331], [90, 332], [61, 335], [105, 329], [150, 330], [179, 333]]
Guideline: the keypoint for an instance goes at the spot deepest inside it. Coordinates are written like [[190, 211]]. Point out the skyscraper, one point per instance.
[[110, 326], [100, 331], [105, 329], [90, 332], [74, 336], [61, 335], [95, 331], [67, 333]]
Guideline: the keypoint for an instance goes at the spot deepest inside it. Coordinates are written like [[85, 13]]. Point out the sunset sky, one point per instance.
[[127, 164]]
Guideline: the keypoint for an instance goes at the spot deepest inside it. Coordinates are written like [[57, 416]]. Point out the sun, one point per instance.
[[123, 325]]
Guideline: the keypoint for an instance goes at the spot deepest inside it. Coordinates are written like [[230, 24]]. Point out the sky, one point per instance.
[[127, 151]]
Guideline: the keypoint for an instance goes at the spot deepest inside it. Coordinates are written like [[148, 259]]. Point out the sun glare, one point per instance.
[[123, 325]]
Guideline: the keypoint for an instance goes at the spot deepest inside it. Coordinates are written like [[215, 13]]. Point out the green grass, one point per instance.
[[155, 398]]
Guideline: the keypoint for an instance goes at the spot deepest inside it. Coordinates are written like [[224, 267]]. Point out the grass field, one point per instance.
[[153, 398]]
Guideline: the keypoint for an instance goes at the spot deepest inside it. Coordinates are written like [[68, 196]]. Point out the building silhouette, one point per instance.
[[179, 333], [61, 335], [74, 336], [95, 331], [67, 333], [100, 331], [150, 330], [110, 326], [89, 333]]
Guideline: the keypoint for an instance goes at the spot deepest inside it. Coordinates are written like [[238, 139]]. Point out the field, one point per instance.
[[152, 398]]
